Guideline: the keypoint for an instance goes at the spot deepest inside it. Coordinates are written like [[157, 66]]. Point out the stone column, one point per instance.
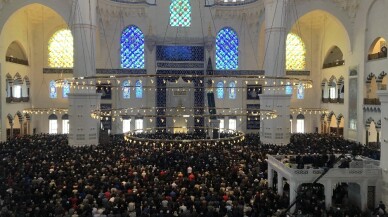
[[364, 195], [383, 95], [21, 126], [328, 194], [367, 136], [280, 184], [84, 130], [11, 129], [270, 176], [28, 120], [293, 193], [275, 131]]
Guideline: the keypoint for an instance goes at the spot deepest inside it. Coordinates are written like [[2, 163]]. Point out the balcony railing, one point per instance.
[[375, 56], [364, 167], [210, 3], [334, 64], [16, 100], [371, 101], [16, 60], [148, 2]]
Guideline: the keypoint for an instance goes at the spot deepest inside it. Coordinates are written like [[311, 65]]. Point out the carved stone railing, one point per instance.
[[210, 3], [16, 60], [375, 56], [374, 101], [148, 2], [364, 167], [16, 100], [334, 64], [335, 100]]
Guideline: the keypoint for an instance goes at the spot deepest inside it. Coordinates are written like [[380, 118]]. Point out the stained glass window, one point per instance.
[[232, 90], [227, 49], [220, 90], [61, 49], [53, 90], [180, 13], [65, 89], [295, 53], [288, 88], [126, 90], [300, 94], [139, 89], [132, 48]]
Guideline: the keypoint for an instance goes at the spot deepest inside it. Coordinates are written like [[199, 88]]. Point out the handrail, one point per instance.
[[148, 2], [211, 3]]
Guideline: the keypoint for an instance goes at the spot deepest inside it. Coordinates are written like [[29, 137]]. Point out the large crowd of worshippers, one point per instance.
[[42, 175]]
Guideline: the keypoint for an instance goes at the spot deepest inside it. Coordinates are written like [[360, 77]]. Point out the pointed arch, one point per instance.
[[126, 89], [330, 115], [378, 49], [17, 78], [232, 90], [370, 77], [220, 90], [227, 43], [381, 76], [369, 121], [132, 48], [10, 118], [16, 54], [295, 53], [334, 57], [180, 13], [65, 89], [61, 49], [53, 89], [139, 89]]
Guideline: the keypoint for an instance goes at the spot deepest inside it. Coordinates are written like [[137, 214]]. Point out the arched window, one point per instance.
[[300, 94], [288, 88], [53, 90], [300, 123], [132, 48], [232, 123], [139, 125], [227, 49], [65, 89], [220, 90], [222, 124], [61, 49], [53, 124], [65, 124], [180, 13], [232, 90], [295, 53], [126, 89], [126, 124], [139, 89], [16, 54]]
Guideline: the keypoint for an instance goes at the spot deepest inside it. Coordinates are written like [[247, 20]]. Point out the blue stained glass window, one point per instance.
[[132, 48], [126, 90], [227, 49], [65, 89], [139, 89], [53, 90], [232, 90], [180, 13], [300, 94], [220, 90], [288, 88]]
